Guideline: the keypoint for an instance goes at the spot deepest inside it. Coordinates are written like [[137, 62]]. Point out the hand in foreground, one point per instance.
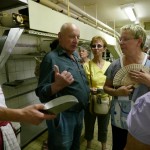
[[31, 114]]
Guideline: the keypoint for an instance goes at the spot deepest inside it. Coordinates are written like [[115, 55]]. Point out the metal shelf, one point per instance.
[[20, 83], [24, 56]]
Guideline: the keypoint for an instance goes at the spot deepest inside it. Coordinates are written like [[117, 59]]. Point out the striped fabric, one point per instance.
[[9, 139]]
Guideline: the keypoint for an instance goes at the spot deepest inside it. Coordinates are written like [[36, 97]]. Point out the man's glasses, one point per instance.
[[96, 46]]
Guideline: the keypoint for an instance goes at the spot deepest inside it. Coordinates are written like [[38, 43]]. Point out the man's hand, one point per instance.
[[65, 78], [62, 80]]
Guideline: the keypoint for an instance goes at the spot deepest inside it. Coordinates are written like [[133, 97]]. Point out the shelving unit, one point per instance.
[[19, 90], [25, 56], [14, 96], [20, 83]]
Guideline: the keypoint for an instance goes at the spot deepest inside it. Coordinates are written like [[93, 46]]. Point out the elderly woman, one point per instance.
[[132, 41], [84, 53]]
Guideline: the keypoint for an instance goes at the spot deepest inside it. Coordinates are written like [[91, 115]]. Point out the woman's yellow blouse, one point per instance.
[[97, 74]]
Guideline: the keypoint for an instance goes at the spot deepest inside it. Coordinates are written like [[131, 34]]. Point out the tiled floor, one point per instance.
[[37, 143]]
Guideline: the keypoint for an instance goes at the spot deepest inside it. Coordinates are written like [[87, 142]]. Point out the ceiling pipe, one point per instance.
[[62, 10], [78, 10]]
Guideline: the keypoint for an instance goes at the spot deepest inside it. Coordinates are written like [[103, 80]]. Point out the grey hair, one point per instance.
[[85, 47], [137, 31]]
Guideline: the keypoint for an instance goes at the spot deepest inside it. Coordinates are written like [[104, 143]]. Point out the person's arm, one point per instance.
[[51, 81], [30, 114], [121, 91], [133, 143], [62, 80], [138, 122]]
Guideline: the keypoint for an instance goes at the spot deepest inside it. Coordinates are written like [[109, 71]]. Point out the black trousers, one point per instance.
[[119, 138], [103, 121]]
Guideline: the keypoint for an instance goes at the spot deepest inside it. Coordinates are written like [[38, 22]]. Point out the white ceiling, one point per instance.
[[109, 11]]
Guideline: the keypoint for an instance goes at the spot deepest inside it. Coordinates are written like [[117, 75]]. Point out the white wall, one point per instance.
[[45, 19]]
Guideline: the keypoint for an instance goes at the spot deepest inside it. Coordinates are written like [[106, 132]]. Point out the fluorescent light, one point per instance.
[[24, 1], [129, 10]]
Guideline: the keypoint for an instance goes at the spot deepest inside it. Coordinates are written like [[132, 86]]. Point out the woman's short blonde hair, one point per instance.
[[137, 31]]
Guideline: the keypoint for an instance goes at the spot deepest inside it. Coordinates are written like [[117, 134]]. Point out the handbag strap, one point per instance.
[[90, 73]]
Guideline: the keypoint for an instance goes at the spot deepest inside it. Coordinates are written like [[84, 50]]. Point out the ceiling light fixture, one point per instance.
[[24, 1], [130, 12]]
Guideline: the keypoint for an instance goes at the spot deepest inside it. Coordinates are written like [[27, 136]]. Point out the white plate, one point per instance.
[[60, 104]]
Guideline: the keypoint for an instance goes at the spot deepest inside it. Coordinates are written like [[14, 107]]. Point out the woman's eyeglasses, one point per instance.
[[96, 46], [126, 39]]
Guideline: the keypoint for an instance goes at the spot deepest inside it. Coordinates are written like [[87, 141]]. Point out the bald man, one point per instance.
[[61, 74]]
